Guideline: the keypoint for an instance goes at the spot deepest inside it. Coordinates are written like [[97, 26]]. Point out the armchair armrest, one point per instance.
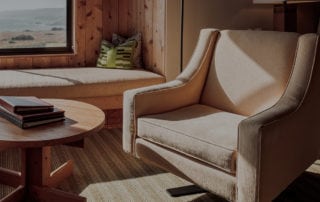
[[183, 91], [278, 144]]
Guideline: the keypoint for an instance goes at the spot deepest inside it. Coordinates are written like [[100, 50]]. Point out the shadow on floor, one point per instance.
[[306, 188]]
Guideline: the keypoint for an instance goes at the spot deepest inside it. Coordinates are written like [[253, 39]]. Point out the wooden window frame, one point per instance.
[[69, 49]]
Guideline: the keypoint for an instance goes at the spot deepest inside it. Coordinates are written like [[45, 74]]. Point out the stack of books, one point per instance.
[[27, 112]]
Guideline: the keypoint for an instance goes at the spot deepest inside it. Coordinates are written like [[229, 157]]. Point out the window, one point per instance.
[[36, 27]]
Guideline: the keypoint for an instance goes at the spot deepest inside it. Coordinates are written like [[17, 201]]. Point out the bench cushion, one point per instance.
[[74, 82]]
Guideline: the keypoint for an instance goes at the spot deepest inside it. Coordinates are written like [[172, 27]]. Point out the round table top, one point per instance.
[[81, 119]]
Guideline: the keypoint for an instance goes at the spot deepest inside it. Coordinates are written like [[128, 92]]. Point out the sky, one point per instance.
[[30, 4]]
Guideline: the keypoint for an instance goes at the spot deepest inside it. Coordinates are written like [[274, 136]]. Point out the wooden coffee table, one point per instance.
[[36, 182]]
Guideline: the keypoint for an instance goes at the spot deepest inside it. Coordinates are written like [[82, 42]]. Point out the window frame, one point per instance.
[[69, 49]]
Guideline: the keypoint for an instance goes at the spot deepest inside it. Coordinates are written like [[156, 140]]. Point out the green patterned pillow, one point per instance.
[[120, 56], [137, 58]]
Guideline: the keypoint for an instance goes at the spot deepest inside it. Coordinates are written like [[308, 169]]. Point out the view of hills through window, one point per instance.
[[33, 24]]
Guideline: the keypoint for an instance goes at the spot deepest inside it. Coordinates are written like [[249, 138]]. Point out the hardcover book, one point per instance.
[[30, 120], [24, 104]]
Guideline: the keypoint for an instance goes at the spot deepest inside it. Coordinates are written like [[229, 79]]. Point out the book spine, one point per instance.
[[38, 123], [11, 118], [7, 106], [44, 117], [26, 111]]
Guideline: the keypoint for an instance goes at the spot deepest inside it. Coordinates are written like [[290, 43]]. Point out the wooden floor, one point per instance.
[[104, 173]]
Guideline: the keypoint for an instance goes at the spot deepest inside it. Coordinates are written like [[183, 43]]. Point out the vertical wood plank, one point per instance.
[[140, 15], [140, 25], [111, 19], [278, 18], [123, 14], [94, 30], [158, 36], [147, 36], [133, 21], [79, 59]]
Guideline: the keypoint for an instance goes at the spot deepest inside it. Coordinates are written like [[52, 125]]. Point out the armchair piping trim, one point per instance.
[[306, 91], [300, 102], [293, 111]]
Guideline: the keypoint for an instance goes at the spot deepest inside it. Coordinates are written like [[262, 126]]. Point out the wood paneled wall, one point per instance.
[[98, 19]]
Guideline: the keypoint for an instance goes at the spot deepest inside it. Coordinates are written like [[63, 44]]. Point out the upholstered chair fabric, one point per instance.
[[208, 134], [183, 91], [239, 120], [249, 71]]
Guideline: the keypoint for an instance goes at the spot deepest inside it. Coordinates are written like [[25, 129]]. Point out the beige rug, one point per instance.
[[104, 173]]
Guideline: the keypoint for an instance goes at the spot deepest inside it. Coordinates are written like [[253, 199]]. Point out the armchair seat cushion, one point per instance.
[[198, 131]]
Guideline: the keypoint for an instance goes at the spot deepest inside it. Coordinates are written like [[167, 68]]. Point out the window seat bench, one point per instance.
[[101, 87]]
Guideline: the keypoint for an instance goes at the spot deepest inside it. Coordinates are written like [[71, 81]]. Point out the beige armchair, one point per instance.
[[241, 119]]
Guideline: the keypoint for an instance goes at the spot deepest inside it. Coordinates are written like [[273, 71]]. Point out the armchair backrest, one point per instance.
[[249, 70]]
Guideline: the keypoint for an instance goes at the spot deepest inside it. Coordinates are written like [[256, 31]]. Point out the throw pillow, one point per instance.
[[137, 59], [117, 56]]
